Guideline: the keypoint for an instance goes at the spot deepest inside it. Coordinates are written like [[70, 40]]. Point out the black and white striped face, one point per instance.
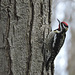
[[64, 26]]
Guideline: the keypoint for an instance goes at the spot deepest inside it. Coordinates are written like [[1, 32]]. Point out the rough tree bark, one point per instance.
[[22, 23]]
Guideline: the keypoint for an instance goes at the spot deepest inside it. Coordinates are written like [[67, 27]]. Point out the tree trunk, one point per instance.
[[23, 23]]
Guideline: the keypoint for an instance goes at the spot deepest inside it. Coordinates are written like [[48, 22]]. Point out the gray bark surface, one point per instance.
[[22, 24]]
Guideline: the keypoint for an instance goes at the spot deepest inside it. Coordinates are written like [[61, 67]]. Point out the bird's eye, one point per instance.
[[64, 26]]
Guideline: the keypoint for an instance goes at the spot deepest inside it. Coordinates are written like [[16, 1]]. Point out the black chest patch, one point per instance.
[[58, 41]]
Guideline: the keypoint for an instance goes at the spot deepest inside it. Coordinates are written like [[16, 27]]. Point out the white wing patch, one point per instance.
[[54, 41]]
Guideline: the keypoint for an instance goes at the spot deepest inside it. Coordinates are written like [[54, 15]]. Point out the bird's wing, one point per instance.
[[48, 40], [48, 44]]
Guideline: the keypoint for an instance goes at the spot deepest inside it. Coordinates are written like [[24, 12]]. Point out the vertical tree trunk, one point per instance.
[[22, 24]]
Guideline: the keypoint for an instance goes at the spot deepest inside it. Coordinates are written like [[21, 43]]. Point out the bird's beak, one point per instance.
[[59, 24], [58, 21]]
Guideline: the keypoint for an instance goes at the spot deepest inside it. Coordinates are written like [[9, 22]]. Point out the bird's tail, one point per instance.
[[48, 63]]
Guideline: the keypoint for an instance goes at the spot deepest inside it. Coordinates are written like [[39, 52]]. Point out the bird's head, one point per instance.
[[63, 26]]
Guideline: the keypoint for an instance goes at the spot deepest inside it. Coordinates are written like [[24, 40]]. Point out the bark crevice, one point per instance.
[[13, 30], [7, 45], [43, 52], [10, 1], [41, 8], [15, 11], [3, 37], [30, 32], [0, 9], [49, 14]]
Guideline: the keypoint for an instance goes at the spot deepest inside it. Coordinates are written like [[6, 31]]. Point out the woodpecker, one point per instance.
[[53, 43]]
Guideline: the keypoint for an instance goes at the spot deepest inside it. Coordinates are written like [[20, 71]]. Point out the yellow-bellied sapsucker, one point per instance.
[[53, 43]]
